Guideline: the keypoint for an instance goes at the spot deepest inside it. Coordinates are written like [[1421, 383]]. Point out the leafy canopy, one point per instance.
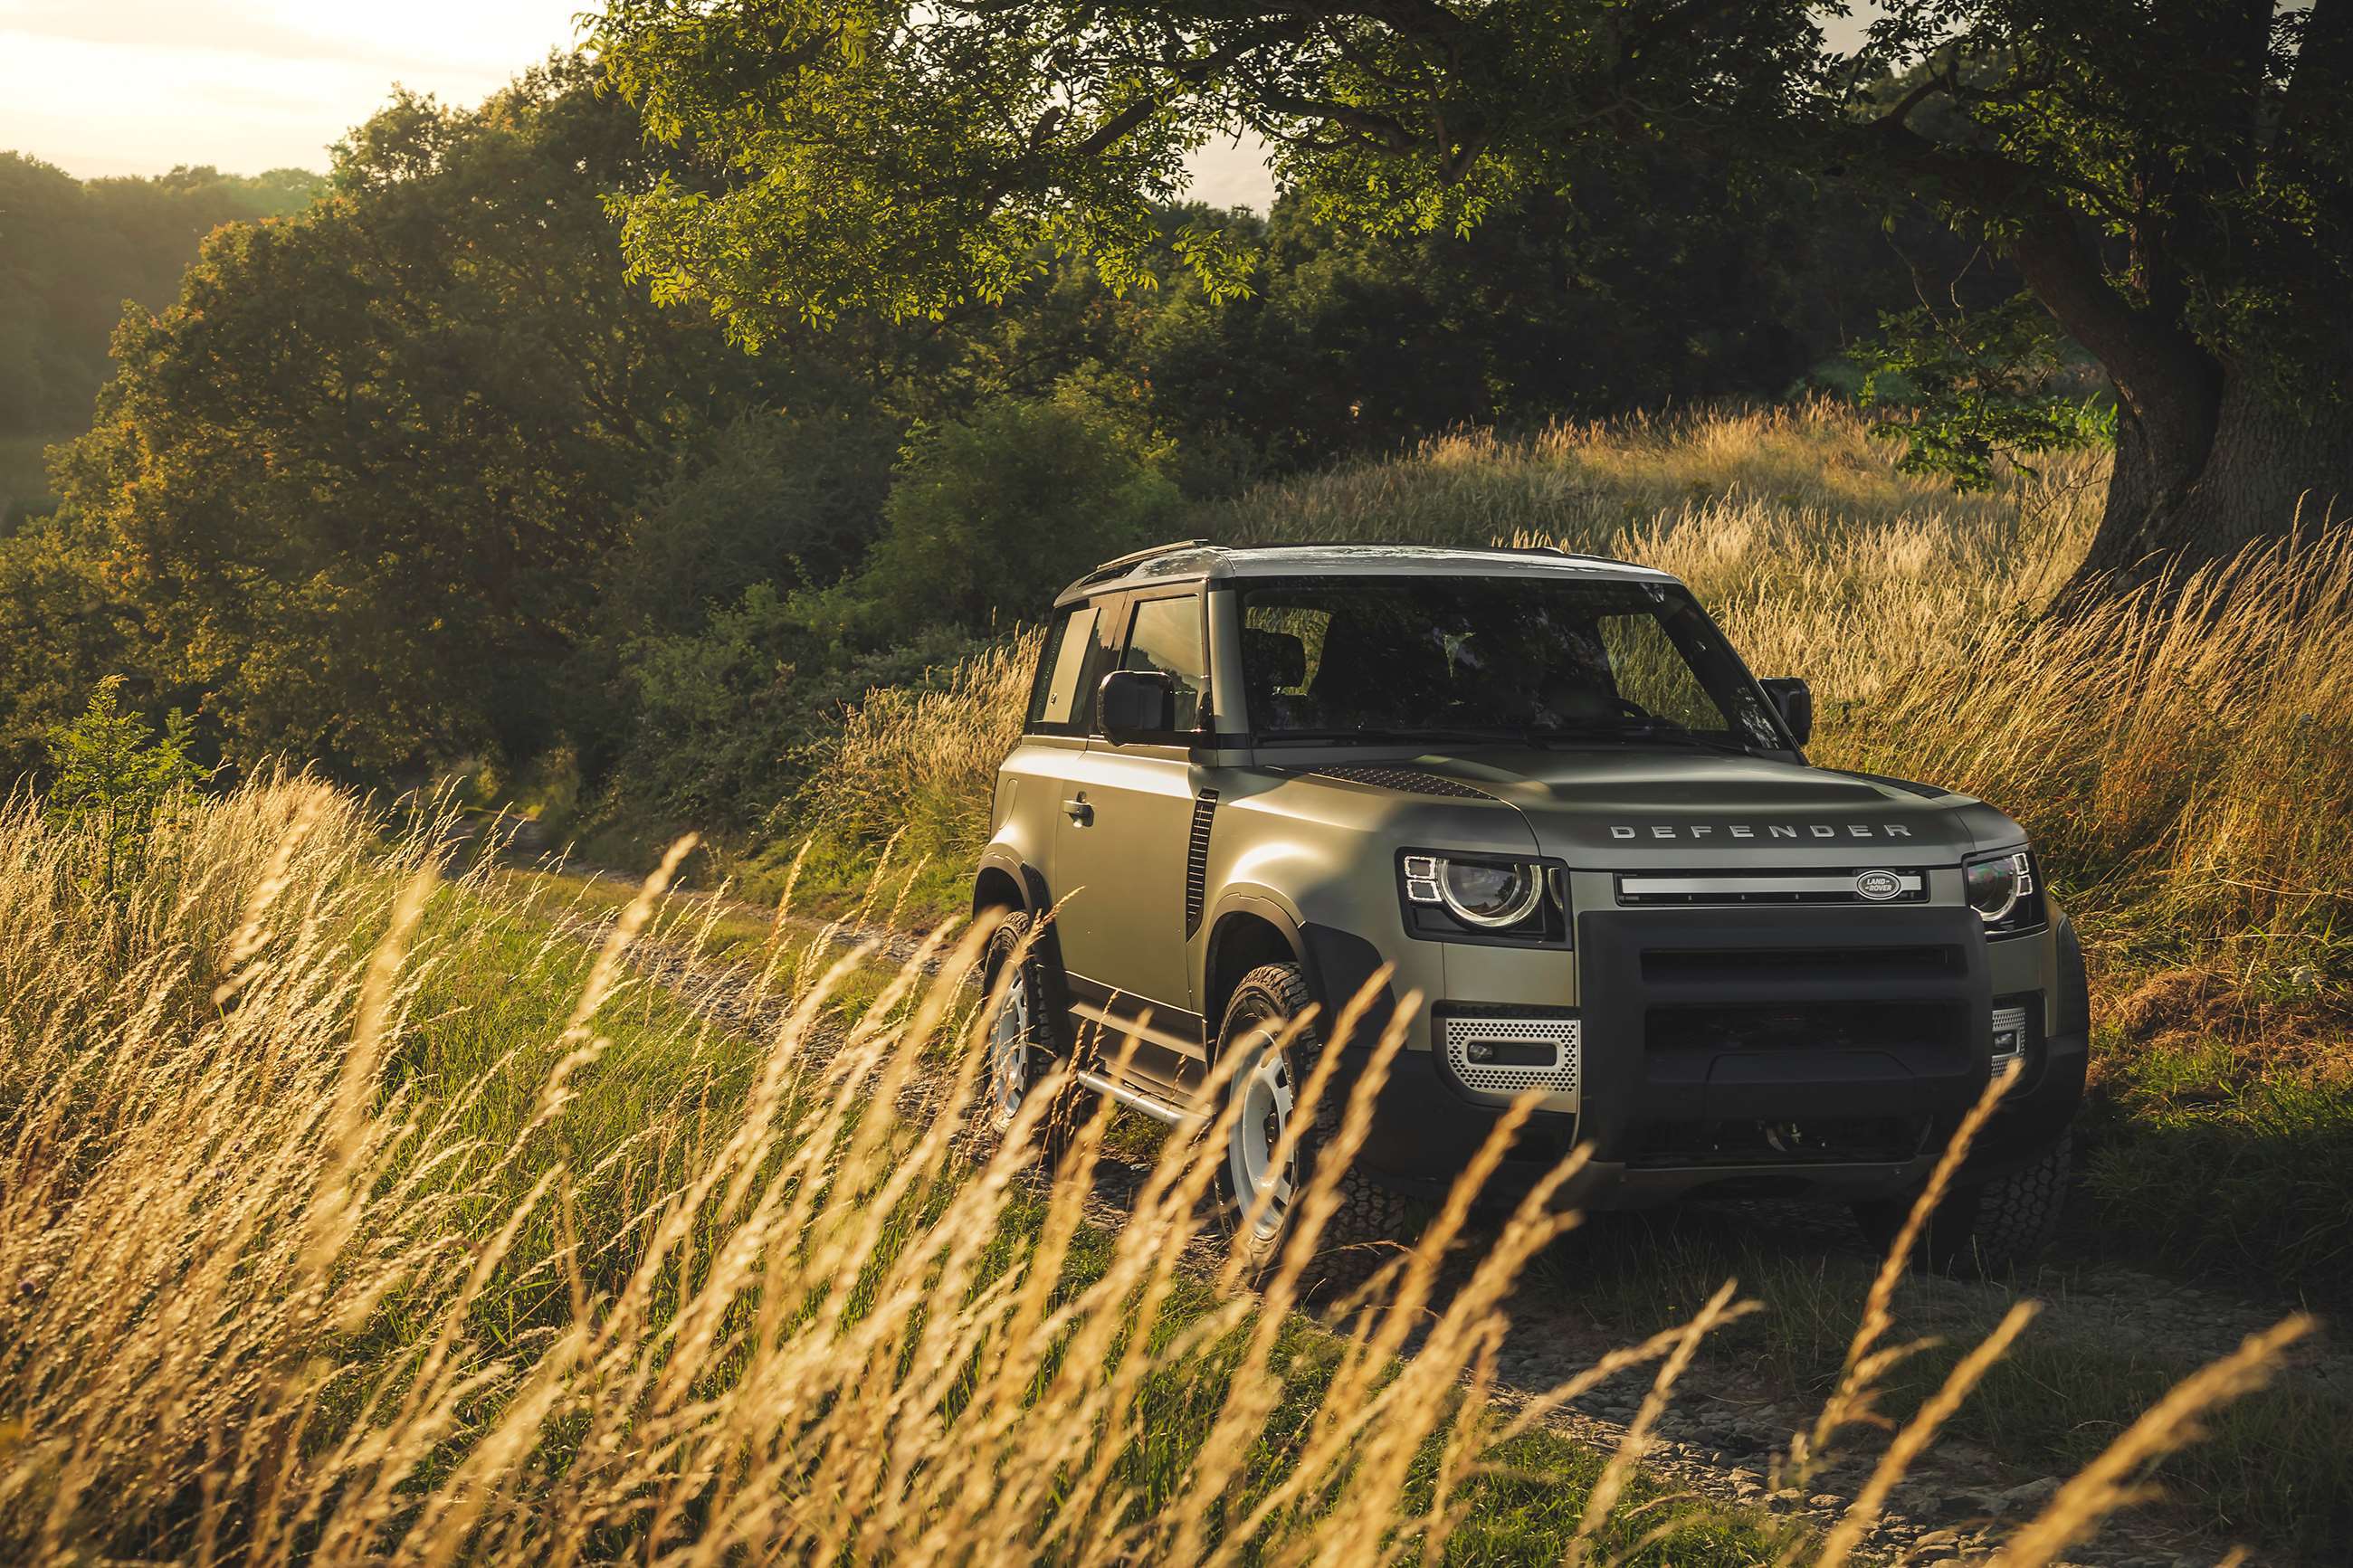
[[906, 157], [1975, 389]]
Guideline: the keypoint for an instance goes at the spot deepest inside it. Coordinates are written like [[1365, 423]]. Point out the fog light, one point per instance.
[[2009, 1033]]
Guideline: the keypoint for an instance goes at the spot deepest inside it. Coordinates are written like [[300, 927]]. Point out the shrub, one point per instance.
[[990, 515], [723, 716], [793, 501], [115, 775]]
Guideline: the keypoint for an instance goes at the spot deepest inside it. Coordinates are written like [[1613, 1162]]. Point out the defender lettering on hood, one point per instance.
[[1698, 830]]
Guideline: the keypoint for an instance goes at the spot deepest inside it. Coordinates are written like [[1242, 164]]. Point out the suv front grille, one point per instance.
[[1805, 1026], [1825, 966], [1738, 888]]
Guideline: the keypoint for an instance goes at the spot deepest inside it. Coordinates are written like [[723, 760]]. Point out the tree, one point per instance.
[[361, 484], [115, 775], [989, 513], [2171, 179], [71, 252]]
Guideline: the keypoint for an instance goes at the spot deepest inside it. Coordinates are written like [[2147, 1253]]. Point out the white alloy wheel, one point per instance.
[[1008, 1054], [1257, 1183]]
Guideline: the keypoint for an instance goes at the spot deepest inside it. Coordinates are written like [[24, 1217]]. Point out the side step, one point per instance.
[[1135, 1100]]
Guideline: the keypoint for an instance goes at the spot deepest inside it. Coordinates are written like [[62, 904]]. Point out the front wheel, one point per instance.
[[1987, 1227], [1258, 1194], [1019, 1043]]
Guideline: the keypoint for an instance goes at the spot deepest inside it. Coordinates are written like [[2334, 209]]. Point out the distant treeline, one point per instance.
[[419, 478], [71, 252]]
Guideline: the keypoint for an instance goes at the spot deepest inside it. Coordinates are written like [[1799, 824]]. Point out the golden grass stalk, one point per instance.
[[1917, 1436], [2105, 1485], [1856, 1393]]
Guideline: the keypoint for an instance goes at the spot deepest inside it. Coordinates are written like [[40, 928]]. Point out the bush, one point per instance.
[[794, 501], [115, 776], [990, 515], [724, 715]]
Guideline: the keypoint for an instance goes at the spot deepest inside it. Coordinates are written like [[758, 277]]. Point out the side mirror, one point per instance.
[[1136, 703], [1795, 701]]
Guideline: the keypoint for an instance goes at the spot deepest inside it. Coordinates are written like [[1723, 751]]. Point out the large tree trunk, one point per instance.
[[2192, 486]]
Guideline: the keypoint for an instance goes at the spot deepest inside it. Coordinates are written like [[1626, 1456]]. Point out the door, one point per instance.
[[1120, 849]]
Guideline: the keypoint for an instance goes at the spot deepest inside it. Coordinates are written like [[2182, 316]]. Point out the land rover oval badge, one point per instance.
[[1877, 886]]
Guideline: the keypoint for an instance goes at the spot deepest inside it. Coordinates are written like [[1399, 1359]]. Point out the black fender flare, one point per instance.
[[1337, 964]]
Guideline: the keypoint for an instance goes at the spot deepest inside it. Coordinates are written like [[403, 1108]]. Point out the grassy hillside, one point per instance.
[[2182, 770], [354, 1213]]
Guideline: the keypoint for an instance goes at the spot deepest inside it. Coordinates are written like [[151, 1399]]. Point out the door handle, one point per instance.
[[1080, 812]]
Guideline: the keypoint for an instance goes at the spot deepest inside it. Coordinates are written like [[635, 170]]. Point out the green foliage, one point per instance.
[[858, 107], [361, 483], [1977, 388], [720, 717], [995, 514], [909, 157], [115, 775], [58, 630], [792, 501], [72, 251]]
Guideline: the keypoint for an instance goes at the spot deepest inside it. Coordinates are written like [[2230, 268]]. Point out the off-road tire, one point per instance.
[[1368, 1211], [1040, 992], [1988, 1227]]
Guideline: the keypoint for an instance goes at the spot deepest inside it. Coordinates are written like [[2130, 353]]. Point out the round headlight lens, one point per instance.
[[1994, 886], [1489, 894]]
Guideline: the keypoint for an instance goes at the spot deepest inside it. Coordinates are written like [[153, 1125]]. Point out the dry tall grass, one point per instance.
[[282, 1279], [2179, 759], [920, 759]]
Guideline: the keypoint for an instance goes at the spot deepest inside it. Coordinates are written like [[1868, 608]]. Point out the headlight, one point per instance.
[[1509, 897], [2001, 888]]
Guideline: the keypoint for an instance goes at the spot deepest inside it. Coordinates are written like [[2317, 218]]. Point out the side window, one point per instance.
[[1651, 670], [1055, 704], [1165, 636]]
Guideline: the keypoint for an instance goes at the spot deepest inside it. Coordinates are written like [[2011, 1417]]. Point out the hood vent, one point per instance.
[[1412, 781]]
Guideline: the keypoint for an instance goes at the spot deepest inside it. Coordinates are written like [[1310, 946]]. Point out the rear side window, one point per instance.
[[1054, 704], [1166, 637]]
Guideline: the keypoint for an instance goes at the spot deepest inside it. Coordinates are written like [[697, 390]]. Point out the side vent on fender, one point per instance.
[[1197, 860]]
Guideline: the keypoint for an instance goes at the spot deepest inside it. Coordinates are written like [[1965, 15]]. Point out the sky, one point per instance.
[[133, 86]]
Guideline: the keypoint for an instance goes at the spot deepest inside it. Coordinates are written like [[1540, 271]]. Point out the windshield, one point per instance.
[[1501, 658]]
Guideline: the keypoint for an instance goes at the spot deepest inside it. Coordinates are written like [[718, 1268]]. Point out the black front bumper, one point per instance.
[[1756, 1052]]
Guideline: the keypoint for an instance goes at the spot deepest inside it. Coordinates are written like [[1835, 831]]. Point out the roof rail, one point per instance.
[[1134, 557], [1567, 554]]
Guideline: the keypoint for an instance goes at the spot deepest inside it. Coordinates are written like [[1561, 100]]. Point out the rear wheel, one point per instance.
[[1987, 1227], [1258, 1196]]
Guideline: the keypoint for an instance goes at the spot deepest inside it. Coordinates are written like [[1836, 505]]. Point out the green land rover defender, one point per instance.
[[1542, 792]]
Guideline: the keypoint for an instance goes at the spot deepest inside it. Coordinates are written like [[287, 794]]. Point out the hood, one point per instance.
[[1619, 807]]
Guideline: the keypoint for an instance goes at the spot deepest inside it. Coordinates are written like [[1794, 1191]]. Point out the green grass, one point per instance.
[[510, 982], [2238, 1180]]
